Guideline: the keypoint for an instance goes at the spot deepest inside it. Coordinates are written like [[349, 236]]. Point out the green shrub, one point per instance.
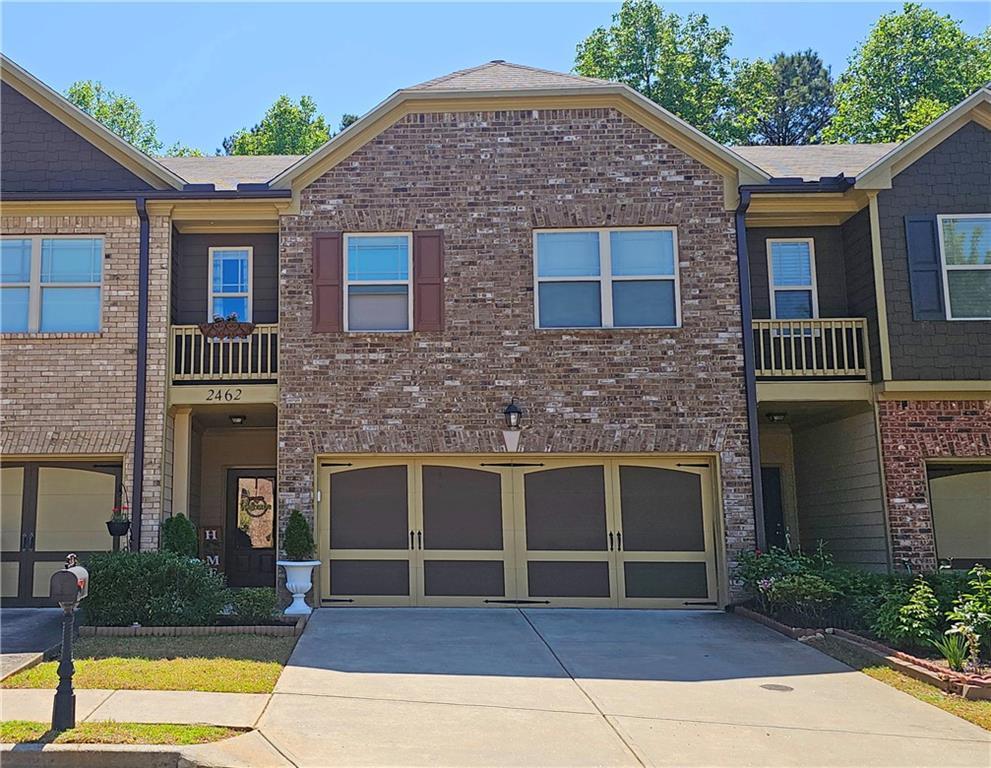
[[152, 589], [802, 593], [908, 617], [254, 605], [297, 541], [179, 536], [971, 612], [953, 648]]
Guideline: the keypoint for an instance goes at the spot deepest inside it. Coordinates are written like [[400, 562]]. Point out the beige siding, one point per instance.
[[776, 450], [839, 490]]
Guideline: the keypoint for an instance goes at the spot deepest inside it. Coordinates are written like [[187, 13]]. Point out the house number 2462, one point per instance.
[[225, 394]]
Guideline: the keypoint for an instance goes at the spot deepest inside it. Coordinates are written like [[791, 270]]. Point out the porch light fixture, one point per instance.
[[513, 414], [237, 421], [776, 418]]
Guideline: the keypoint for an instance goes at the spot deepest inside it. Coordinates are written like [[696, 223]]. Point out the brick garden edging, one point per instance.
[[968, 686], [294, 629]]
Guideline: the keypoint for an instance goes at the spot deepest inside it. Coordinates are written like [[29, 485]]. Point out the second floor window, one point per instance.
[[965, 252], [607, 278], [378, 282], [50, 284], [791, 270], [230, 283]]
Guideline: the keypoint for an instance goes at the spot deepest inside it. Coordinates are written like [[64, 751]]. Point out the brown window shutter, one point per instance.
[[428, 280], [328, 273]]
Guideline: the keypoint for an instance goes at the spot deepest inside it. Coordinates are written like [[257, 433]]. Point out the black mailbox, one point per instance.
[[70, 585]]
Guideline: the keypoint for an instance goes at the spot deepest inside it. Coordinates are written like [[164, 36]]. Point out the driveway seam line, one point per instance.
[[95, 709], [264, 710], [273, 746], [608, 722]]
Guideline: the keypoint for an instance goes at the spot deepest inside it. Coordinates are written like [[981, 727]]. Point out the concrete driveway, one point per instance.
[[463, 687], [25, 633]]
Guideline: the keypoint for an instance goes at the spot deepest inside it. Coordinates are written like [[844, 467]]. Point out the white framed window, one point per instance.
[[51, 284], [791, 274], [606, 278], [378, 282], [965, 256], [230, 282]]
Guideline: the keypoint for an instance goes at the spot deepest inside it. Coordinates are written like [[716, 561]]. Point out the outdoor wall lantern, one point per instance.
[[514, 427], [238, 420]]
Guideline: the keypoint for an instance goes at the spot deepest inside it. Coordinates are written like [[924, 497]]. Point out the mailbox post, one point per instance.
[[67, 588]]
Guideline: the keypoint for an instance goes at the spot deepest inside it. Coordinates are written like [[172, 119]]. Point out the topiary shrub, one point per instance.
[[297, 541], [254, 605], [152, 589], [179, 536]]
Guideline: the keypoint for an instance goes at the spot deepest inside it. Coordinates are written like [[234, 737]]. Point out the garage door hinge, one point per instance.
[[336, 464], [521, 602], [692, 465], [336, 600], [701, 602], [508, 464]]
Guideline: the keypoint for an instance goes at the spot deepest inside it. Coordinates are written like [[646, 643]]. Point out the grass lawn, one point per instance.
[[25, 731], [224, 663], [977, 712]]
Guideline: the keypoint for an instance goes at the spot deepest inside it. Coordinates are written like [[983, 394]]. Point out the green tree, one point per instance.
[[181, 150], [287, 128], [788, 100], [914, 65], [682, 64], [119, 113], [347, 119]]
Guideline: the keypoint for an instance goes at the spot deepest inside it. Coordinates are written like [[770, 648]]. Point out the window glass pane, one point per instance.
[[13, 310], [567, 254], [570, 305], [70, 309], [15, 261], [970, 292], [230, 272], [70, 261], [792, 264], [378, 308], [378, 258], [225, 306], [967, 241], [793, 305], [643, 302], [642, 253]]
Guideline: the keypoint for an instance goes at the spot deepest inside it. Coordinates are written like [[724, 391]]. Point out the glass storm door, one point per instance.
[[251, 515], [370, 533], [464, 535], [664, 535], [48, 511], [563, 519]]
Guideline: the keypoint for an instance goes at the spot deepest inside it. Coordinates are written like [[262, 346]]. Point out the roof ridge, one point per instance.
[[438, 81], [456, 73], [549, 71]]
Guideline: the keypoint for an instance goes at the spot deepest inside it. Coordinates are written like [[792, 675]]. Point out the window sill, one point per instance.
[[49, 335], [616, 329]]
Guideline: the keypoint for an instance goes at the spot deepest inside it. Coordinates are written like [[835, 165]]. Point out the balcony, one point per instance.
[[197, 359], [824, 348]]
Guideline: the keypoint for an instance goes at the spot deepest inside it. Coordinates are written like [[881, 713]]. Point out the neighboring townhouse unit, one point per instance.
[[501, 234]]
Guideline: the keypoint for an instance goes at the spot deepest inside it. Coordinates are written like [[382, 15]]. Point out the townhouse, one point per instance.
[[712, 348]]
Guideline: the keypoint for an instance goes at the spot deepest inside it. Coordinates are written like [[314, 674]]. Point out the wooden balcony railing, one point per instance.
[[825, 347], [197, 358]]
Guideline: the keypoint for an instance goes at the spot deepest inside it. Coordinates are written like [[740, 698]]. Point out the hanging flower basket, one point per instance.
[[227, 328], [119, 523]]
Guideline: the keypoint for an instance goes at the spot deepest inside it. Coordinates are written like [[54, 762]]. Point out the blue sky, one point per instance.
[[201, 71]]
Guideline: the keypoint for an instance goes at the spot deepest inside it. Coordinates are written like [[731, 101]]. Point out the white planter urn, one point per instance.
[[299, 579]]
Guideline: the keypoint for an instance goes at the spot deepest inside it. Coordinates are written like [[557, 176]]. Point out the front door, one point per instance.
[[48, 510], [250, 560], [774, 514]]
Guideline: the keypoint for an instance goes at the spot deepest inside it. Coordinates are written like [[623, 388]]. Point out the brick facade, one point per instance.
[[913, 432], [74, 393], [488, 179]]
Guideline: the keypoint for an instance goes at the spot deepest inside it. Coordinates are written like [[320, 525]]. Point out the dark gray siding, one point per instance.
[[860, 293], [190, 286], [954, 177], [830, 268], [40, 154]]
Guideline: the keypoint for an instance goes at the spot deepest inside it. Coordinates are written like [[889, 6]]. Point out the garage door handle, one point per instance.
[[619, 540], [411, 544], [610, 541], [419, 539]]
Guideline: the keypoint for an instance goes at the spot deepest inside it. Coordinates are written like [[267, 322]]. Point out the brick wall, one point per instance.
[[488, 179], [912, 432], [74, 393]]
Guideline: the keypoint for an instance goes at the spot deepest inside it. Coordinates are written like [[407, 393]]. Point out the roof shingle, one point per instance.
[[227, 171], [501, 75], [813, 161]]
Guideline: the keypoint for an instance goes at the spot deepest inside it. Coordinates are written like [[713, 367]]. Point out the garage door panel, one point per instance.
[[665, 580], [370, 577], [462, 509], [568, 578], [371, 508], [464, 578], [661, 510], [566, 509]]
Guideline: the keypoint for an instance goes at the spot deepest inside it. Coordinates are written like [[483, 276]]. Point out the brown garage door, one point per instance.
[[560, 532]]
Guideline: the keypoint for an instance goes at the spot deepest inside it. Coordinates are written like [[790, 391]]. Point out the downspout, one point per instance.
[[140, 385], [749, 375]]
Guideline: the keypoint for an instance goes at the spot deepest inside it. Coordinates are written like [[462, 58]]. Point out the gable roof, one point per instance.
[[812, 162], [976, 107], [136, 161], [227, 171], [501, 85], [501, 75]]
